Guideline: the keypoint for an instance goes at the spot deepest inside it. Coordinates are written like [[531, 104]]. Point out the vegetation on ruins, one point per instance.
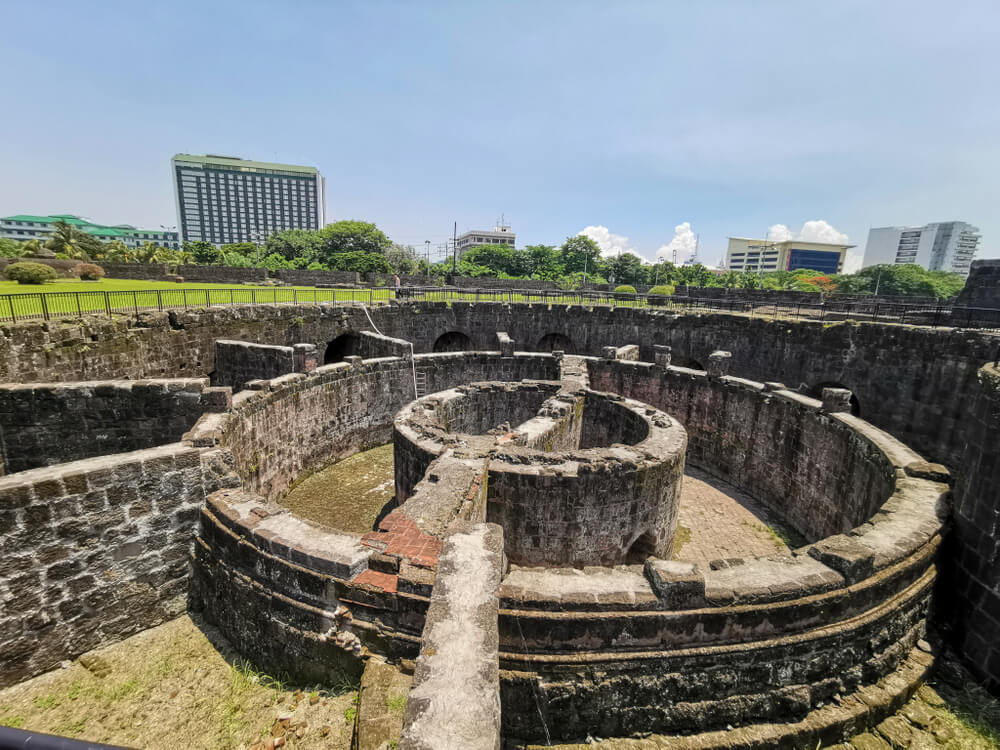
[[30, 273]]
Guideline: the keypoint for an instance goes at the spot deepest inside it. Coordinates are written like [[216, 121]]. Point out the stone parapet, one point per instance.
[[455, 698]]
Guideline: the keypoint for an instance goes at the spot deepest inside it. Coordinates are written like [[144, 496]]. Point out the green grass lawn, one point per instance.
[[125, 295], [69, 296]]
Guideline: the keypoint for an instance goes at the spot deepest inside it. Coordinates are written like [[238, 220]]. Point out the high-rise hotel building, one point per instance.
[[223, 199]]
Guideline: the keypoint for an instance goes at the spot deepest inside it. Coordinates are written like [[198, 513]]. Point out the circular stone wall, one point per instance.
[[592, 479]]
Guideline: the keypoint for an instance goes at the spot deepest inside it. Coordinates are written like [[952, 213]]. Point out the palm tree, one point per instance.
[[72, 242], [117, 251]]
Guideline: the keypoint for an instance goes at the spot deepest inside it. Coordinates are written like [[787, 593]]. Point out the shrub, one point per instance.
[[664, 290], [625, 289], [89, 271], [30, 273]]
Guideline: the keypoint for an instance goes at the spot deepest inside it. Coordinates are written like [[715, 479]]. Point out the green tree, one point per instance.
[[502, 260], [294, 243], [74, 243], [904, 280], [351, 237], [203, 252], [402, 259], [580, 254], [10, 248], [542, 262], [115, 251], [274, 261], [361, 262], [626, 269]]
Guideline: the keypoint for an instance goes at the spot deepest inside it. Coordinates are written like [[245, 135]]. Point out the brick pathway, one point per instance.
[[721, 522]]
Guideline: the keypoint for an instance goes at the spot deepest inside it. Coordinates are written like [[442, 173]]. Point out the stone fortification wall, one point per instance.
[[239, 362], [49, 423], [822, 474], [974, 571], [486, 282], [914, 382], [221, 274], [306, 277], [94, 551], [136, 271], [982, 288], [371, 345]]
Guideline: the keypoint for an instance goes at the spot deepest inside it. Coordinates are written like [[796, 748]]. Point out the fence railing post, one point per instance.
[[10, 301], [107, 304], [185, 291], [159, 299], [79, 310], [135, 302], [45, 307]]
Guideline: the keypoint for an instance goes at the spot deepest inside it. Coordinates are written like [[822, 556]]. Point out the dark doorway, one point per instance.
[[453, 341], [551, 342], [691, 364], [346, 345]]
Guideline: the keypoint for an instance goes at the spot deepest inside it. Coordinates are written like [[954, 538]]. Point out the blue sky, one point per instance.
[[630, 118]]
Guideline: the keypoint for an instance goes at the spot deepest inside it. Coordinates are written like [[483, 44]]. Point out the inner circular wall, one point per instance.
[[585, 478]]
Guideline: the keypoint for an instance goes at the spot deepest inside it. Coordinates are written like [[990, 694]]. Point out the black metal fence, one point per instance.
[[49, 305]]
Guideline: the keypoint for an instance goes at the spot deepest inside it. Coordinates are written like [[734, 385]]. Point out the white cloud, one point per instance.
[[684, 242], [611, 244], [812, 231]]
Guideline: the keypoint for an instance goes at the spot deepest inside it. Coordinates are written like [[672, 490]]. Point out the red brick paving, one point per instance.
[[400, 537]]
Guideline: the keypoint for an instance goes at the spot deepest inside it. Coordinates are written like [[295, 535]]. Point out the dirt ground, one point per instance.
[[179, 685]]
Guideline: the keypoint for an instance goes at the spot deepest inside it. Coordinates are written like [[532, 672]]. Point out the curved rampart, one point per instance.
[[744, 641], [299, 596]]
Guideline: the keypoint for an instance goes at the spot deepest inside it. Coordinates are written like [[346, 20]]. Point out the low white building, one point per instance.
[[941, 246], [22, 228], [500, 235]]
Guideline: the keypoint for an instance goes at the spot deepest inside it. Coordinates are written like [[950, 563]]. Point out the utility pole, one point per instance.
[[454, 248], [427, 252]]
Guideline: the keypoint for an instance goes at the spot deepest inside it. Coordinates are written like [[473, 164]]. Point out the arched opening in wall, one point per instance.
[[691, 364], [551, 342], [345, 345], [817, 392], [453, 341], [643, 547]]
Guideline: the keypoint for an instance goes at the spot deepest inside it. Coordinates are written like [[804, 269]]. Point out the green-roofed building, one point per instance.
[[223, 199], [24, 227]]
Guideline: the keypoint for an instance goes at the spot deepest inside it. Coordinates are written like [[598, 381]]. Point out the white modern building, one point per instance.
[[942, 246], [224, 199], [23, 227], [501, 235], [748, 254]]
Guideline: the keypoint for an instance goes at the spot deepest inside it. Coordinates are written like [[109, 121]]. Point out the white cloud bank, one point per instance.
[[812, 231], [612, 245], [684, 242]]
